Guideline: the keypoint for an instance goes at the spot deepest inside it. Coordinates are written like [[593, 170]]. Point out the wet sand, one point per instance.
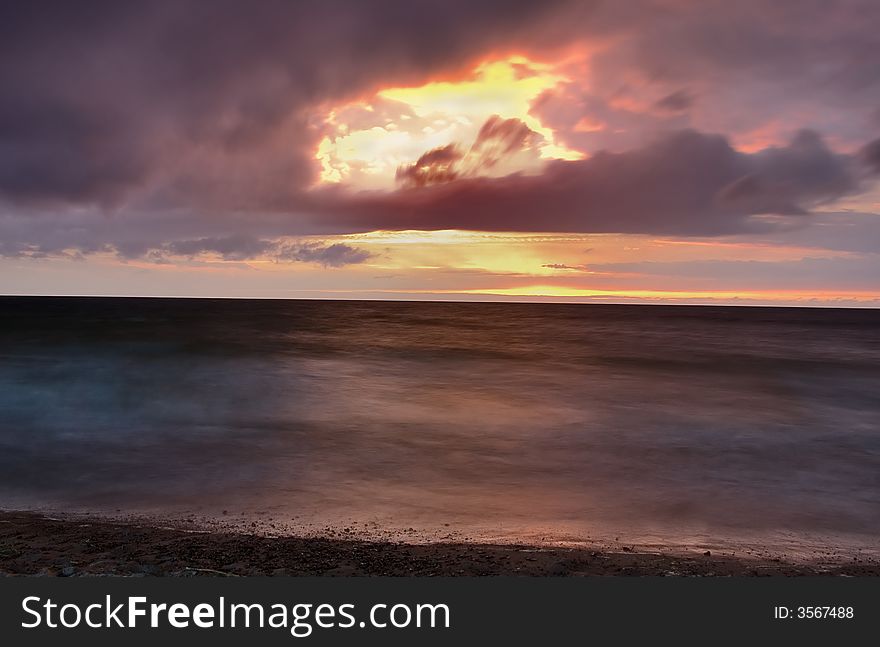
[[34, 544]]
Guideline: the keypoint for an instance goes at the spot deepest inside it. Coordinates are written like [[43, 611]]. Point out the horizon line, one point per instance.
[[548, 300]]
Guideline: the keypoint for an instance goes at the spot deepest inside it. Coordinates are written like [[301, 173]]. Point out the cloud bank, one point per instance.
[[179, 128], [686, 183]]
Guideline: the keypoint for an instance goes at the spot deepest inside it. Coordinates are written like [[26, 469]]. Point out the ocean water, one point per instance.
[[502, 421]]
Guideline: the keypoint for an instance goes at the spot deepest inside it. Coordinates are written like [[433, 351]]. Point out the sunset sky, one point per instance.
[[640, 151]]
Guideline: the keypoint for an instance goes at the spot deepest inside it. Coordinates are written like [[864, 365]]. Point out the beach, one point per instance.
[[432, 428], [36, 545]]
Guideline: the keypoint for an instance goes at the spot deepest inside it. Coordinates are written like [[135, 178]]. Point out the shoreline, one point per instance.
[[33, 544]]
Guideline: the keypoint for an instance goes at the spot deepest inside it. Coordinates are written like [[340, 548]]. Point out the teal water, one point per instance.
[[504, 420]]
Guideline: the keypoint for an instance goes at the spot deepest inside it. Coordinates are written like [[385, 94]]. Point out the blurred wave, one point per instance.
[[504, 418]]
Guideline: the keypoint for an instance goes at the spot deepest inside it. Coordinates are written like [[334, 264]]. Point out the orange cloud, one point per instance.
[[365, 151], [499, 148]]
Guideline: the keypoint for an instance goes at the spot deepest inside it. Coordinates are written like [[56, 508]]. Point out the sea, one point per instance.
[[525, 422]]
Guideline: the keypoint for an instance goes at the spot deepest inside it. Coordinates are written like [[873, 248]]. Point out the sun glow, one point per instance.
[[679, 296], [368, 140]]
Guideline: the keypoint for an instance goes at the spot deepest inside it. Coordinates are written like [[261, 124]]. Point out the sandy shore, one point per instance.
[[33, 544]]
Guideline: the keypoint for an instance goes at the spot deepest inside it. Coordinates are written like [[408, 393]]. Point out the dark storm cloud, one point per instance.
[[502, 137], [814, 48], [243, 248], [101, 98], [437, 166], [234, 248], [761, 70], [149, 127], [335, 255], [790, 180], [684, 183], [676, 102]]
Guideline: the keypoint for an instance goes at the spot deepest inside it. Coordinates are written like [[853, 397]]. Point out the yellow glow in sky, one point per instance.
[[672, 296], [475, 265], [371, 138]]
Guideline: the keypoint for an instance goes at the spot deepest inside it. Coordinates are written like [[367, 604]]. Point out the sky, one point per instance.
[[648, 151]]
